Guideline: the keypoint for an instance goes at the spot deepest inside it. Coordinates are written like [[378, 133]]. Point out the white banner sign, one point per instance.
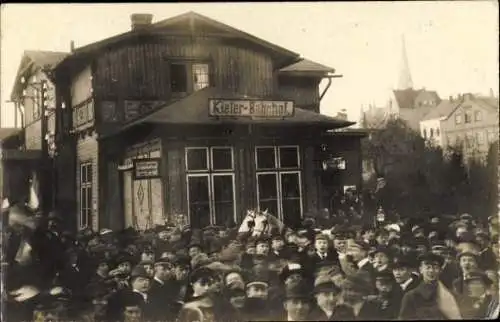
[[250, 108]]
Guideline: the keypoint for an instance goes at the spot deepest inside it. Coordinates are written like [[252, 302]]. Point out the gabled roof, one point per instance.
[[33, 59], [306, 65], [191, 20], [193, 110], [486, 101], [444, 109], [406, 97]]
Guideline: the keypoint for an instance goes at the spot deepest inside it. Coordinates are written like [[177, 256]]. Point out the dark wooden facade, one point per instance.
[[118, 83]]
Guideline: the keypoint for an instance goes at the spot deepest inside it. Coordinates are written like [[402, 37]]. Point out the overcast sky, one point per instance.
[[452, 46]]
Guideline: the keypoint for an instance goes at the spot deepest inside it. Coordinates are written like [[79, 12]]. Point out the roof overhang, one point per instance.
[[18, 155], [193, 110]]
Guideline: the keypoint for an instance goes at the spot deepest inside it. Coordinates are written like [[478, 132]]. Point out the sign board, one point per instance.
[[147, 168], [250, 108], [334, 163]]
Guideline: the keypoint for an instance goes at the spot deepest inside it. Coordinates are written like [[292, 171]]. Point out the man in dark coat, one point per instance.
[[431, 299], [324, 254], [163, 296], [401, 269]]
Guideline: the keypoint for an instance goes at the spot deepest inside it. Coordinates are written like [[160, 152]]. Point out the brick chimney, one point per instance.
[[141, 20]]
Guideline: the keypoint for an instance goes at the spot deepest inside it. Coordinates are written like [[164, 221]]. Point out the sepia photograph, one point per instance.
[[238, 161]]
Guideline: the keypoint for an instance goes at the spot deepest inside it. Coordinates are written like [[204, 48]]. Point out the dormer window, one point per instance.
[[187, 77]]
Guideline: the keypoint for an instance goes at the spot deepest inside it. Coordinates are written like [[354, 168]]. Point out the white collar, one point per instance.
[[159, 280], [363, 262], [405, 284]]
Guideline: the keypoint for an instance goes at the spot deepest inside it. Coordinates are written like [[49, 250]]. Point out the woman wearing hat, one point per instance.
[[201, 307]]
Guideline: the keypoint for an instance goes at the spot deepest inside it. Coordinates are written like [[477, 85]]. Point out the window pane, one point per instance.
[[89, 173], [265, 158], [223, 198], [271, 206], [291, 212], [89, 206], [199, 206], [289, 157], [197, 159], [223, 188], [290, 187], [200, 76], [267, 186], [222, 159], [178, 78]]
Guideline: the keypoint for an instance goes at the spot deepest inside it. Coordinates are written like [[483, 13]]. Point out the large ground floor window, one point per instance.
[[210, 185], [143, 199], [85, 219], [279, 182]]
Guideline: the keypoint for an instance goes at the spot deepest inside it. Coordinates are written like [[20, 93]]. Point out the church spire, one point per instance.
[[405, 81]]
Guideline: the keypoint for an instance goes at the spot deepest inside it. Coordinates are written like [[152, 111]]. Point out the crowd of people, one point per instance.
[[439, 268]]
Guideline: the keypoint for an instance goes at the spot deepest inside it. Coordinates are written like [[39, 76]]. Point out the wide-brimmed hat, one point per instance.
[[300, 290], [358, 283]]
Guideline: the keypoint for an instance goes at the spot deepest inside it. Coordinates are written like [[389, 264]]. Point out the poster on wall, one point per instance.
[[147, 168]]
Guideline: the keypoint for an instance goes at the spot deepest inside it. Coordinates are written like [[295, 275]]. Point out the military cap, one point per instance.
[[415, 228], [324, 284], [105, 231], [321, 237], [400, 262], [431, 258], [259, 278], [466, 216], [478, 276]]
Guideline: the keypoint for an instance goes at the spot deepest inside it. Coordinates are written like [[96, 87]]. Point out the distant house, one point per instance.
[[472, 124], [431, 126], [412, 105]]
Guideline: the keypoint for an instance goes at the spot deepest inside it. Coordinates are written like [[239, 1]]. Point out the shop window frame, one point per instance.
[[210, 172]]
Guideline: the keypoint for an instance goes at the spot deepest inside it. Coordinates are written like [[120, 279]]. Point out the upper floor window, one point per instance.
[[468, 117], [458, 118], [478, 116], [186, 77]]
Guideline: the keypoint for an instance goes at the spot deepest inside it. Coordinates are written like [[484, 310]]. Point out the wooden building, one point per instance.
[[189, 115]]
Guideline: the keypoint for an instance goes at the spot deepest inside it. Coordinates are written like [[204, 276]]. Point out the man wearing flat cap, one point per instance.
[[468, 263], [327, 294], [430, 299], [298, 302], [257, 306], [477, 303], [163, 296]]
